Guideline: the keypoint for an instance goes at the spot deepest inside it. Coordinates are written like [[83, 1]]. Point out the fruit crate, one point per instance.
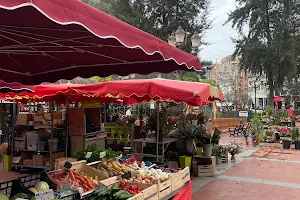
[[81, 167], [203, 170], [9, 188], [164, 188], [180, 178], [148, 191], [26, 182]]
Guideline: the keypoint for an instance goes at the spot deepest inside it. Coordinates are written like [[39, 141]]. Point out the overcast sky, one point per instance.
[[219, 35]]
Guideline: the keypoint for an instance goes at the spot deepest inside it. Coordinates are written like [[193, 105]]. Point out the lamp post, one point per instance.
[[178, 39], [255, 86]]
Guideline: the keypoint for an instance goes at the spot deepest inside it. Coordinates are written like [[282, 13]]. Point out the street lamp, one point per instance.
[[179, 37], [255, 86]]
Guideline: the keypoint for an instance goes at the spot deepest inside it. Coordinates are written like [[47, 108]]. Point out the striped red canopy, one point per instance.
[[47, 40], [130, 91], [14, 87]]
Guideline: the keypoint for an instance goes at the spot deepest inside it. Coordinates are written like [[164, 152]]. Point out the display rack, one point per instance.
[[23, 154], [165, 143]]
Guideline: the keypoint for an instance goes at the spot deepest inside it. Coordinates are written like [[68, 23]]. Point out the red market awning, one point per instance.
[[278, 98], [14, 87], [47, 40], [129, 91], [144, 90]]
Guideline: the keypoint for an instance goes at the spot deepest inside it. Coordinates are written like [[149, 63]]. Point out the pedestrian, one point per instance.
[[128, 112]]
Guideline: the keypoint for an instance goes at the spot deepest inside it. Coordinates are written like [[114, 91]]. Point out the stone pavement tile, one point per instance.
[[266, 170], [220, 189]]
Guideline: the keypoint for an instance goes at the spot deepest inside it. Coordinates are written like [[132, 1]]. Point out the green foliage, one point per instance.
[[218, 150], [100, 79], [271, 46], [165, 122], [260, 137], [256, 123], [95, 149], [160, 17], [189, 79], [209, 81], [269, 110], [295, 134]]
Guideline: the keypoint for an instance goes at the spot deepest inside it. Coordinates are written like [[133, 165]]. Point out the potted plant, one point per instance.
[[188, 132], [246, 136], [165, 123], [207, 139], [234, 148], [286, 144], [254, 139], [193, 118], [219, 152], [295, 136]]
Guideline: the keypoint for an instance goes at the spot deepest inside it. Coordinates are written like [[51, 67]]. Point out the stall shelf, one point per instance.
[[165, 143], [41, 159]]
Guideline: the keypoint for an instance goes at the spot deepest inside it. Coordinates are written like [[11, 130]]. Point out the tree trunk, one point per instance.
[[271, 90]]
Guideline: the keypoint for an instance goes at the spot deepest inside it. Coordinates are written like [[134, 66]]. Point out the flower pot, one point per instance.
[[185, 161], [219, 160], [199, 150], [254, 143], [7, 162], [189, 147], [297, 144], [207, 149], [233, 158], [286, 144]]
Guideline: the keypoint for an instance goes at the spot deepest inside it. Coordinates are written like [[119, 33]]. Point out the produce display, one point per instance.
[[95, 150], [113, 168], [115, 192], [72, 179]]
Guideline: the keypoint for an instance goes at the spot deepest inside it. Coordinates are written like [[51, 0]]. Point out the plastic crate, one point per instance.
[[8, 187], [26, 182]]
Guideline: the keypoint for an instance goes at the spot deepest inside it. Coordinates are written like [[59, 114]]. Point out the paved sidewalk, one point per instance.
[[265, 173]]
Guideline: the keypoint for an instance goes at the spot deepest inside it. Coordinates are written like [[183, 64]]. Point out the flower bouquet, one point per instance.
[[234, 148]]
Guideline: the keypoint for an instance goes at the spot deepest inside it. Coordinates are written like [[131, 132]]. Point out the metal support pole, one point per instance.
[[67, 128], [14, 119], [157, 132], [255, 97]]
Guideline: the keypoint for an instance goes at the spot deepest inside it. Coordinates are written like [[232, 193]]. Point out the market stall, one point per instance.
[[54, 39]]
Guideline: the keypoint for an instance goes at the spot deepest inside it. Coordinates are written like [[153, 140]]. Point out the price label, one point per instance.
[[88, 155], [44, 195], [103, 154]]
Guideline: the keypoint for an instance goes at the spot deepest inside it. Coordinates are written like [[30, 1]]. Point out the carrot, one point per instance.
[[56, 181], [89, 184], [82, 181], [71, 175], [86, 187]]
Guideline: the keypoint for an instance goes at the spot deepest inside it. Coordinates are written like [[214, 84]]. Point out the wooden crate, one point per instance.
[[164, 188], [203, 170], [148, 191], [82, 167], [179, 179]]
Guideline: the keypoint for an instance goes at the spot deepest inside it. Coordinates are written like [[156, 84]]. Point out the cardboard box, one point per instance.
[[28, 162], [38, 160], [34, 137], [24, 118], [60, 162]]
